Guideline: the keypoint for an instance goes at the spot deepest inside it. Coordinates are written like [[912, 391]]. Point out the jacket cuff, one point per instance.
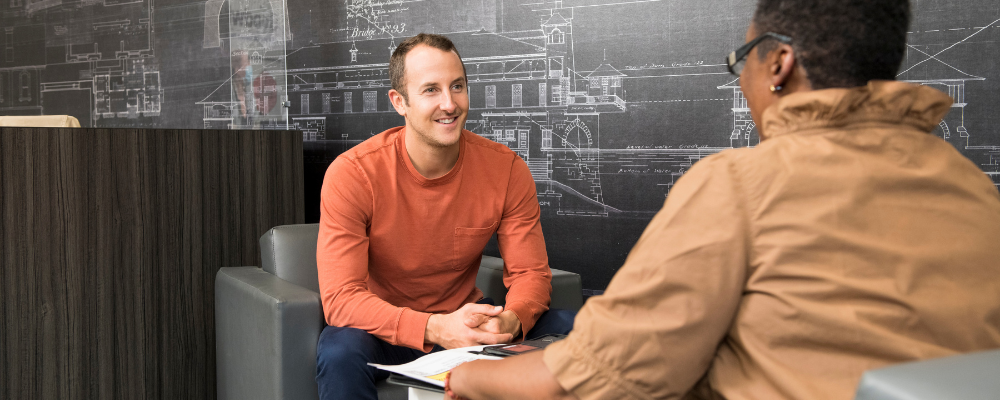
[[582, 375], [411, 328]]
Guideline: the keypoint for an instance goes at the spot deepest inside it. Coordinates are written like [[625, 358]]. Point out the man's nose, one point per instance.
[[448, 104]]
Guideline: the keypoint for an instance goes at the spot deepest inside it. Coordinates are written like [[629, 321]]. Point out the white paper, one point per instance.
[[431, 368]]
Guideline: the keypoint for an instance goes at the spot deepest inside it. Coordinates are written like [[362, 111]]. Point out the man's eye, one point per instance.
[[429, 90], [458, 87]]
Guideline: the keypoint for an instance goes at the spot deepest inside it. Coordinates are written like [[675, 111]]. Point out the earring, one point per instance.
[[776, 89]]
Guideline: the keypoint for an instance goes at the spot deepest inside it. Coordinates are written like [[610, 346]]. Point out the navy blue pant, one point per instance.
[[343, 354]]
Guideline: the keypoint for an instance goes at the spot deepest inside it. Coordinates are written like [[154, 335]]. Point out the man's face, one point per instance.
[[437, 101]]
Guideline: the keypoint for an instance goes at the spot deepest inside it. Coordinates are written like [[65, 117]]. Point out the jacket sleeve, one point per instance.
[[346, 208], [519, 236], [654, 332]]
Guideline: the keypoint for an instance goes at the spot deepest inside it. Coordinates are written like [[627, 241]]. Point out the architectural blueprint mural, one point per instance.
[[90, 59], [608, 101]]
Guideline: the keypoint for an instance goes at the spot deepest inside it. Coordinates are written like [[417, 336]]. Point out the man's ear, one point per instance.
[[781, 63], [398, 102]]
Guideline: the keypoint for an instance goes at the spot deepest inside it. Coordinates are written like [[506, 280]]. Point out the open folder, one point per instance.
[[428, 372], [431, 369]]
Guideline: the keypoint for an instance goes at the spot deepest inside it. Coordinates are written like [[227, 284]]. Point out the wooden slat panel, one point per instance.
[[109, 242]]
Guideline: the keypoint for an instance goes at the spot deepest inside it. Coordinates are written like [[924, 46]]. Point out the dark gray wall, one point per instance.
[[110, 240], [604, 158]]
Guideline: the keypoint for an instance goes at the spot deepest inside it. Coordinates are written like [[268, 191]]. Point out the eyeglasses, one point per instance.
[[738, 58]]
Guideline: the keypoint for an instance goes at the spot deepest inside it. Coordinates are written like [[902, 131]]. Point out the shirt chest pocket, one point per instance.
[[469, 244]]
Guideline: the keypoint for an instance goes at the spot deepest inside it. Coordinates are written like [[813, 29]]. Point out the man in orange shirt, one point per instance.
[[404, 220]]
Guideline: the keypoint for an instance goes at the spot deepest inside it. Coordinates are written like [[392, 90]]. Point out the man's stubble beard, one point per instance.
[[431, 141]]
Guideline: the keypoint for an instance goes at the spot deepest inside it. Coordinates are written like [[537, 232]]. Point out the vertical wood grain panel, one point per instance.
[[109, 242]]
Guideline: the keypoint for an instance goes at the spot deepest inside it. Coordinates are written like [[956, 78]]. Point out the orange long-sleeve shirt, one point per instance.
[[395, 247]]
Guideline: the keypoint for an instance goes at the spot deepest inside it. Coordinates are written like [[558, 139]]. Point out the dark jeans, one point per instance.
[[343, 354]]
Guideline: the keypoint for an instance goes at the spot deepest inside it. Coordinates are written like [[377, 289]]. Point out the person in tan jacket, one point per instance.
[[851, 238]]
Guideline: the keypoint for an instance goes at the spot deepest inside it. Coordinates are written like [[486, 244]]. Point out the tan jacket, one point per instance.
[[849, 239]]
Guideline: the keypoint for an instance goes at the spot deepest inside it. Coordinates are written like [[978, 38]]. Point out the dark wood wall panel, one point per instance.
[[109, 242]]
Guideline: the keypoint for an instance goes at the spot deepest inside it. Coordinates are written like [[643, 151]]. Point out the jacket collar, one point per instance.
[[890, 102]]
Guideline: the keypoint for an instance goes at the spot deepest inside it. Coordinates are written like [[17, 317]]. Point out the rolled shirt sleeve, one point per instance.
[[654, 332]]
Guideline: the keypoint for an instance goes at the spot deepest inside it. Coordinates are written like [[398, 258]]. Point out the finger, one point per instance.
[[490, 326], [493, 338], [475, 320], [483, 309]]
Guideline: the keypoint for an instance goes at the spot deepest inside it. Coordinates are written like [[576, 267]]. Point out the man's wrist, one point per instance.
[[513, 323], [430, 331]]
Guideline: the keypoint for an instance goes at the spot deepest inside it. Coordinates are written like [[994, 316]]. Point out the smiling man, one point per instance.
[[404, 220]]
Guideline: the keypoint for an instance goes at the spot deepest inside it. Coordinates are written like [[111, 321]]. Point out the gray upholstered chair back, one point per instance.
[[970, 376], [289, 252]]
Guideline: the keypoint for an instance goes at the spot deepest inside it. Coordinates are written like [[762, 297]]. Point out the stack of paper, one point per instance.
[[433, 367]]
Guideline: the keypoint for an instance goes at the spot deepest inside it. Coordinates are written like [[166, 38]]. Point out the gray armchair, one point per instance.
[[974, 376], [268, 320]]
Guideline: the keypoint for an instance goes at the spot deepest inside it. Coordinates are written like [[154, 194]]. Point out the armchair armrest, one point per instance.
[[970, 376], [567, 290], [266, 331], [567, 287]]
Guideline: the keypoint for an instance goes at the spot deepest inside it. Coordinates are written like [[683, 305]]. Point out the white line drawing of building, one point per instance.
[[935, 70], [255, 95], [106, 73], [527, 93], [744, 132], [244, 13], [940, 75], [524, 93]]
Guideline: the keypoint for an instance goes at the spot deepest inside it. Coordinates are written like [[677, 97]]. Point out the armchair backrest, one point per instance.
[[289, 252]]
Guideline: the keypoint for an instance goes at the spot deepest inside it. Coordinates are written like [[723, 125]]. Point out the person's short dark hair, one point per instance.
[[397, 62], [839, 43]]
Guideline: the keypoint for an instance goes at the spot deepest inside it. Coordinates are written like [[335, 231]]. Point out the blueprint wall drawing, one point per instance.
[[608, 101], [91, 59]]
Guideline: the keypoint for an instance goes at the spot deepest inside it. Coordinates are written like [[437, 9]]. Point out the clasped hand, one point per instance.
[[473, 325]]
